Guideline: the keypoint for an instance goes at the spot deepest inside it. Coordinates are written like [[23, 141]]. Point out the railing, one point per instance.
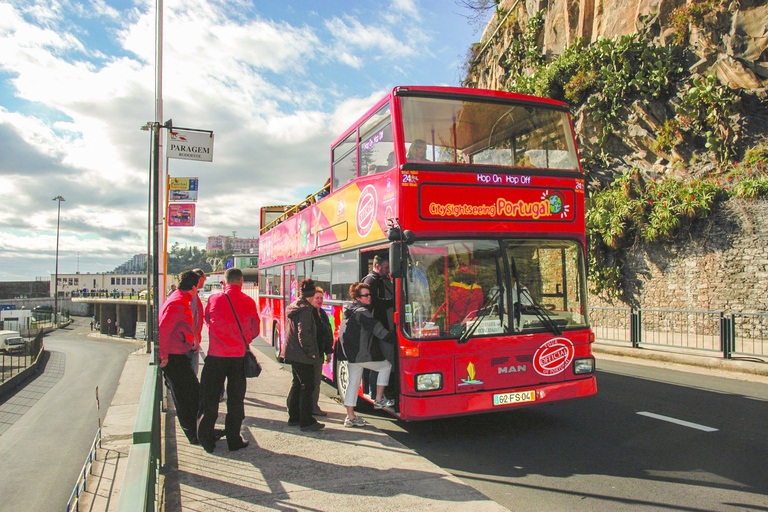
[[13, 363], [138, 492], [74, 498], [749, 334], [292, 210], [734, 334]]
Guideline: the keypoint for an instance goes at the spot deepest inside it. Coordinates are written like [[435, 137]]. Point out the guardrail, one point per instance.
[[13, 363], [138, 492], [732, 335], [74, 498]]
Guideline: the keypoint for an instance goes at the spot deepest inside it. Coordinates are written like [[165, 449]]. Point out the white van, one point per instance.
[[11, 341]]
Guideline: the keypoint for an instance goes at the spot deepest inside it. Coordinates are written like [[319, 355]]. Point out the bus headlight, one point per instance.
[[584, 366], [429, 381]]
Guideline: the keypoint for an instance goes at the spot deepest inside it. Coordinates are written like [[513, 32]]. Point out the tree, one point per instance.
[[186, 258]]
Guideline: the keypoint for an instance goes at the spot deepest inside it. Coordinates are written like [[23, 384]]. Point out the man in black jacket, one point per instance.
[[383, 304]]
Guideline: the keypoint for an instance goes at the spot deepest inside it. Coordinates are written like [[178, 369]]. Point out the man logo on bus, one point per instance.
[[553, 357], [366, 211]]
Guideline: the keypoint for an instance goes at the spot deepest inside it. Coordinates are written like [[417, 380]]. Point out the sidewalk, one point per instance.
[[284, 468], [103, 484], [335, 469]]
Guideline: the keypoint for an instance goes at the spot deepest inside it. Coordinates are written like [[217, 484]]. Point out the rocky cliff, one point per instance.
[[669, 101]]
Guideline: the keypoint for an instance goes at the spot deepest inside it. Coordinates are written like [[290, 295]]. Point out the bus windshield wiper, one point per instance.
[[541, 313], [484, 312]]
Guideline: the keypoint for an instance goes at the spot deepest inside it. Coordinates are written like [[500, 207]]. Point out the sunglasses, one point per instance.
[[364, 295]]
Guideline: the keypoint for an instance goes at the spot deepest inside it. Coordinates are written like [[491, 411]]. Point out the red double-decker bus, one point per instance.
[[476, 198]]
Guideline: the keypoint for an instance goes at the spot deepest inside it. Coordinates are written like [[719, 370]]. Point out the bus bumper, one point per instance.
[[426, 407]]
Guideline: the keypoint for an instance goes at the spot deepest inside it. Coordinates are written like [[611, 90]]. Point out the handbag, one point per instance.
[[251, 366]]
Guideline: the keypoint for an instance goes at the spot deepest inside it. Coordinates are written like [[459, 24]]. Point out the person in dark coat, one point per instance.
[[300, 351], [383, 307], [324, 346]]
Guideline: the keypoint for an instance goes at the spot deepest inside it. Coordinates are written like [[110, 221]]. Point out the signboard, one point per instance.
[[190, 145], [182, 189], [181, 214], [462, 202]]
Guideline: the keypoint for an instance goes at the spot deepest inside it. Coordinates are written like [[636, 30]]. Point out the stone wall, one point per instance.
[[736, 49], [720, 265]]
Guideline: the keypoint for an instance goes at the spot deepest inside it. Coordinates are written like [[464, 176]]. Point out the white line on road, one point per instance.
[[678, 422]]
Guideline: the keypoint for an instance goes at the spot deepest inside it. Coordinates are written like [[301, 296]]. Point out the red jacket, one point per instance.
[[197, 314], [224, 338], [176, 334], [465, 300]]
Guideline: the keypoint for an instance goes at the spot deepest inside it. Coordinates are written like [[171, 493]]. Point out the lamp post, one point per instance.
[[56, 286]]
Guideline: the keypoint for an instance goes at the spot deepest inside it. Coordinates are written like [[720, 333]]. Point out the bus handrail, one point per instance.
[[310, 199]]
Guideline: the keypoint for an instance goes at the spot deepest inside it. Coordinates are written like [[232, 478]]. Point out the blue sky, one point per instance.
[[276, 81]]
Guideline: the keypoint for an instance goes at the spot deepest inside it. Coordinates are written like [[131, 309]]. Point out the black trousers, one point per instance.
[[300, 397], [215, 370], [185, 391]]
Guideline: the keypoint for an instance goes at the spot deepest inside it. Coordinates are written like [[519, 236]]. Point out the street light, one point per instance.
[[56, 286]]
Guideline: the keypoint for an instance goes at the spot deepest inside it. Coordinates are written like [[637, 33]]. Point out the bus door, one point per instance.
[[289, 295]]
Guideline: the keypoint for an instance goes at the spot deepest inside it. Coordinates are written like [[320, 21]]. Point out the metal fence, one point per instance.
[[731, 335], [13, 363]]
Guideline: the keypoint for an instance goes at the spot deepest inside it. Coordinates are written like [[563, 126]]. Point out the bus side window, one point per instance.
[[345, 161], [376, 143]]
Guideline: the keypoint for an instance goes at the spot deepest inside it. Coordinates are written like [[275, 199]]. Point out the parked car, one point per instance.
[[11, 341]]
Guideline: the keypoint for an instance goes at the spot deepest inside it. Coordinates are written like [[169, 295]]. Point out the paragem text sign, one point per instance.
[[190, 145]]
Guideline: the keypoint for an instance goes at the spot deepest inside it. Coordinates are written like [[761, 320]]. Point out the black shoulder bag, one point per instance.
[[250, 365]]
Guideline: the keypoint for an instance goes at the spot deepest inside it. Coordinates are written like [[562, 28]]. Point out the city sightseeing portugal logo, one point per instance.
[[557, 203]]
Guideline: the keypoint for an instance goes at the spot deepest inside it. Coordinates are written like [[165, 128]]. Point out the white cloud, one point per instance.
[[275, 91]]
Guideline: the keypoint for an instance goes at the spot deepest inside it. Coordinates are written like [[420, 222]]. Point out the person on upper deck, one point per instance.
[[418, 151]]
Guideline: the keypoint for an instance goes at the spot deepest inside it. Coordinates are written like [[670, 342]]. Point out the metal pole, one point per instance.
[[56, 285], [159, 294]]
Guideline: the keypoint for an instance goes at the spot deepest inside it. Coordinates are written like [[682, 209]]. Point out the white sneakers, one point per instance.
[[354, 422], [384, 403]]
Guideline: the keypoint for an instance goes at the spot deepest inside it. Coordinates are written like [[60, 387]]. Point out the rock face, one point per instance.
[[732, 42], [723, 263]]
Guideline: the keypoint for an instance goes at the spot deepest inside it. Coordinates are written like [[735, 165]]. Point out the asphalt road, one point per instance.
[[651, 439], [48, 426]]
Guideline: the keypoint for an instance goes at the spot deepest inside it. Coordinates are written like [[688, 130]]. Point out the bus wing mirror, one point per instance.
[[396, 259]]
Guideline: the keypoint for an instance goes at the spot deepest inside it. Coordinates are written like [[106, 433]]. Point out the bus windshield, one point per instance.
[[462, 288], [487, 133]]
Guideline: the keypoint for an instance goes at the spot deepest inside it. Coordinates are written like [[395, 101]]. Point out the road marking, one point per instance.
[[678, 422]]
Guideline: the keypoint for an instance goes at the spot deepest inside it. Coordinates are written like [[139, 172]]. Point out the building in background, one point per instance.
[[134, 265], [78, 284], [236, 245], [247, 260]]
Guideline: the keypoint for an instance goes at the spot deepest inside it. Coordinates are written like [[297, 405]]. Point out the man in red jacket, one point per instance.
[[176, 343], [233, 322]]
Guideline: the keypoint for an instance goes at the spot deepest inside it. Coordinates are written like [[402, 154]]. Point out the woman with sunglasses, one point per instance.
[[358, 346]]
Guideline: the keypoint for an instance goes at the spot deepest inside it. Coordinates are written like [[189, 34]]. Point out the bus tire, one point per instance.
[[276, 343], [342, 378]]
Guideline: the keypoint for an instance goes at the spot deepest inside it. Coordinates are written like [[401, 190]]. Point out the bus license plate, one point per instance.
[[514, 398]]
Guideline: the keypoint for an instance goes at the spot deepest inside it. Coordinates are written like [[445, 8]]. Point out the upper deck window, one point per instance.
[[377, 148], [345, 161], [487, 133]]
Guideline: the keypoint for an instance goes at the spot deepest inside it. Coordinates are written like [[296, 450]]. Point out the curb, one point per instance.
[[746, 367]]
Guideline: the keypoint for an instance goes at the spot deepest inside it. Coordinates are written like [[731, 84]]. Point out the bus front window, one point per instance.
[[462, 288], [451, 284], [487, 132]]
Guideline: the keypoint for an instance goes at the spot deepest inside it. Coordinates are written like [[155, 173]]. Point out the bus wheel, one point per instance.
[[342, 377], [276, 343]]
